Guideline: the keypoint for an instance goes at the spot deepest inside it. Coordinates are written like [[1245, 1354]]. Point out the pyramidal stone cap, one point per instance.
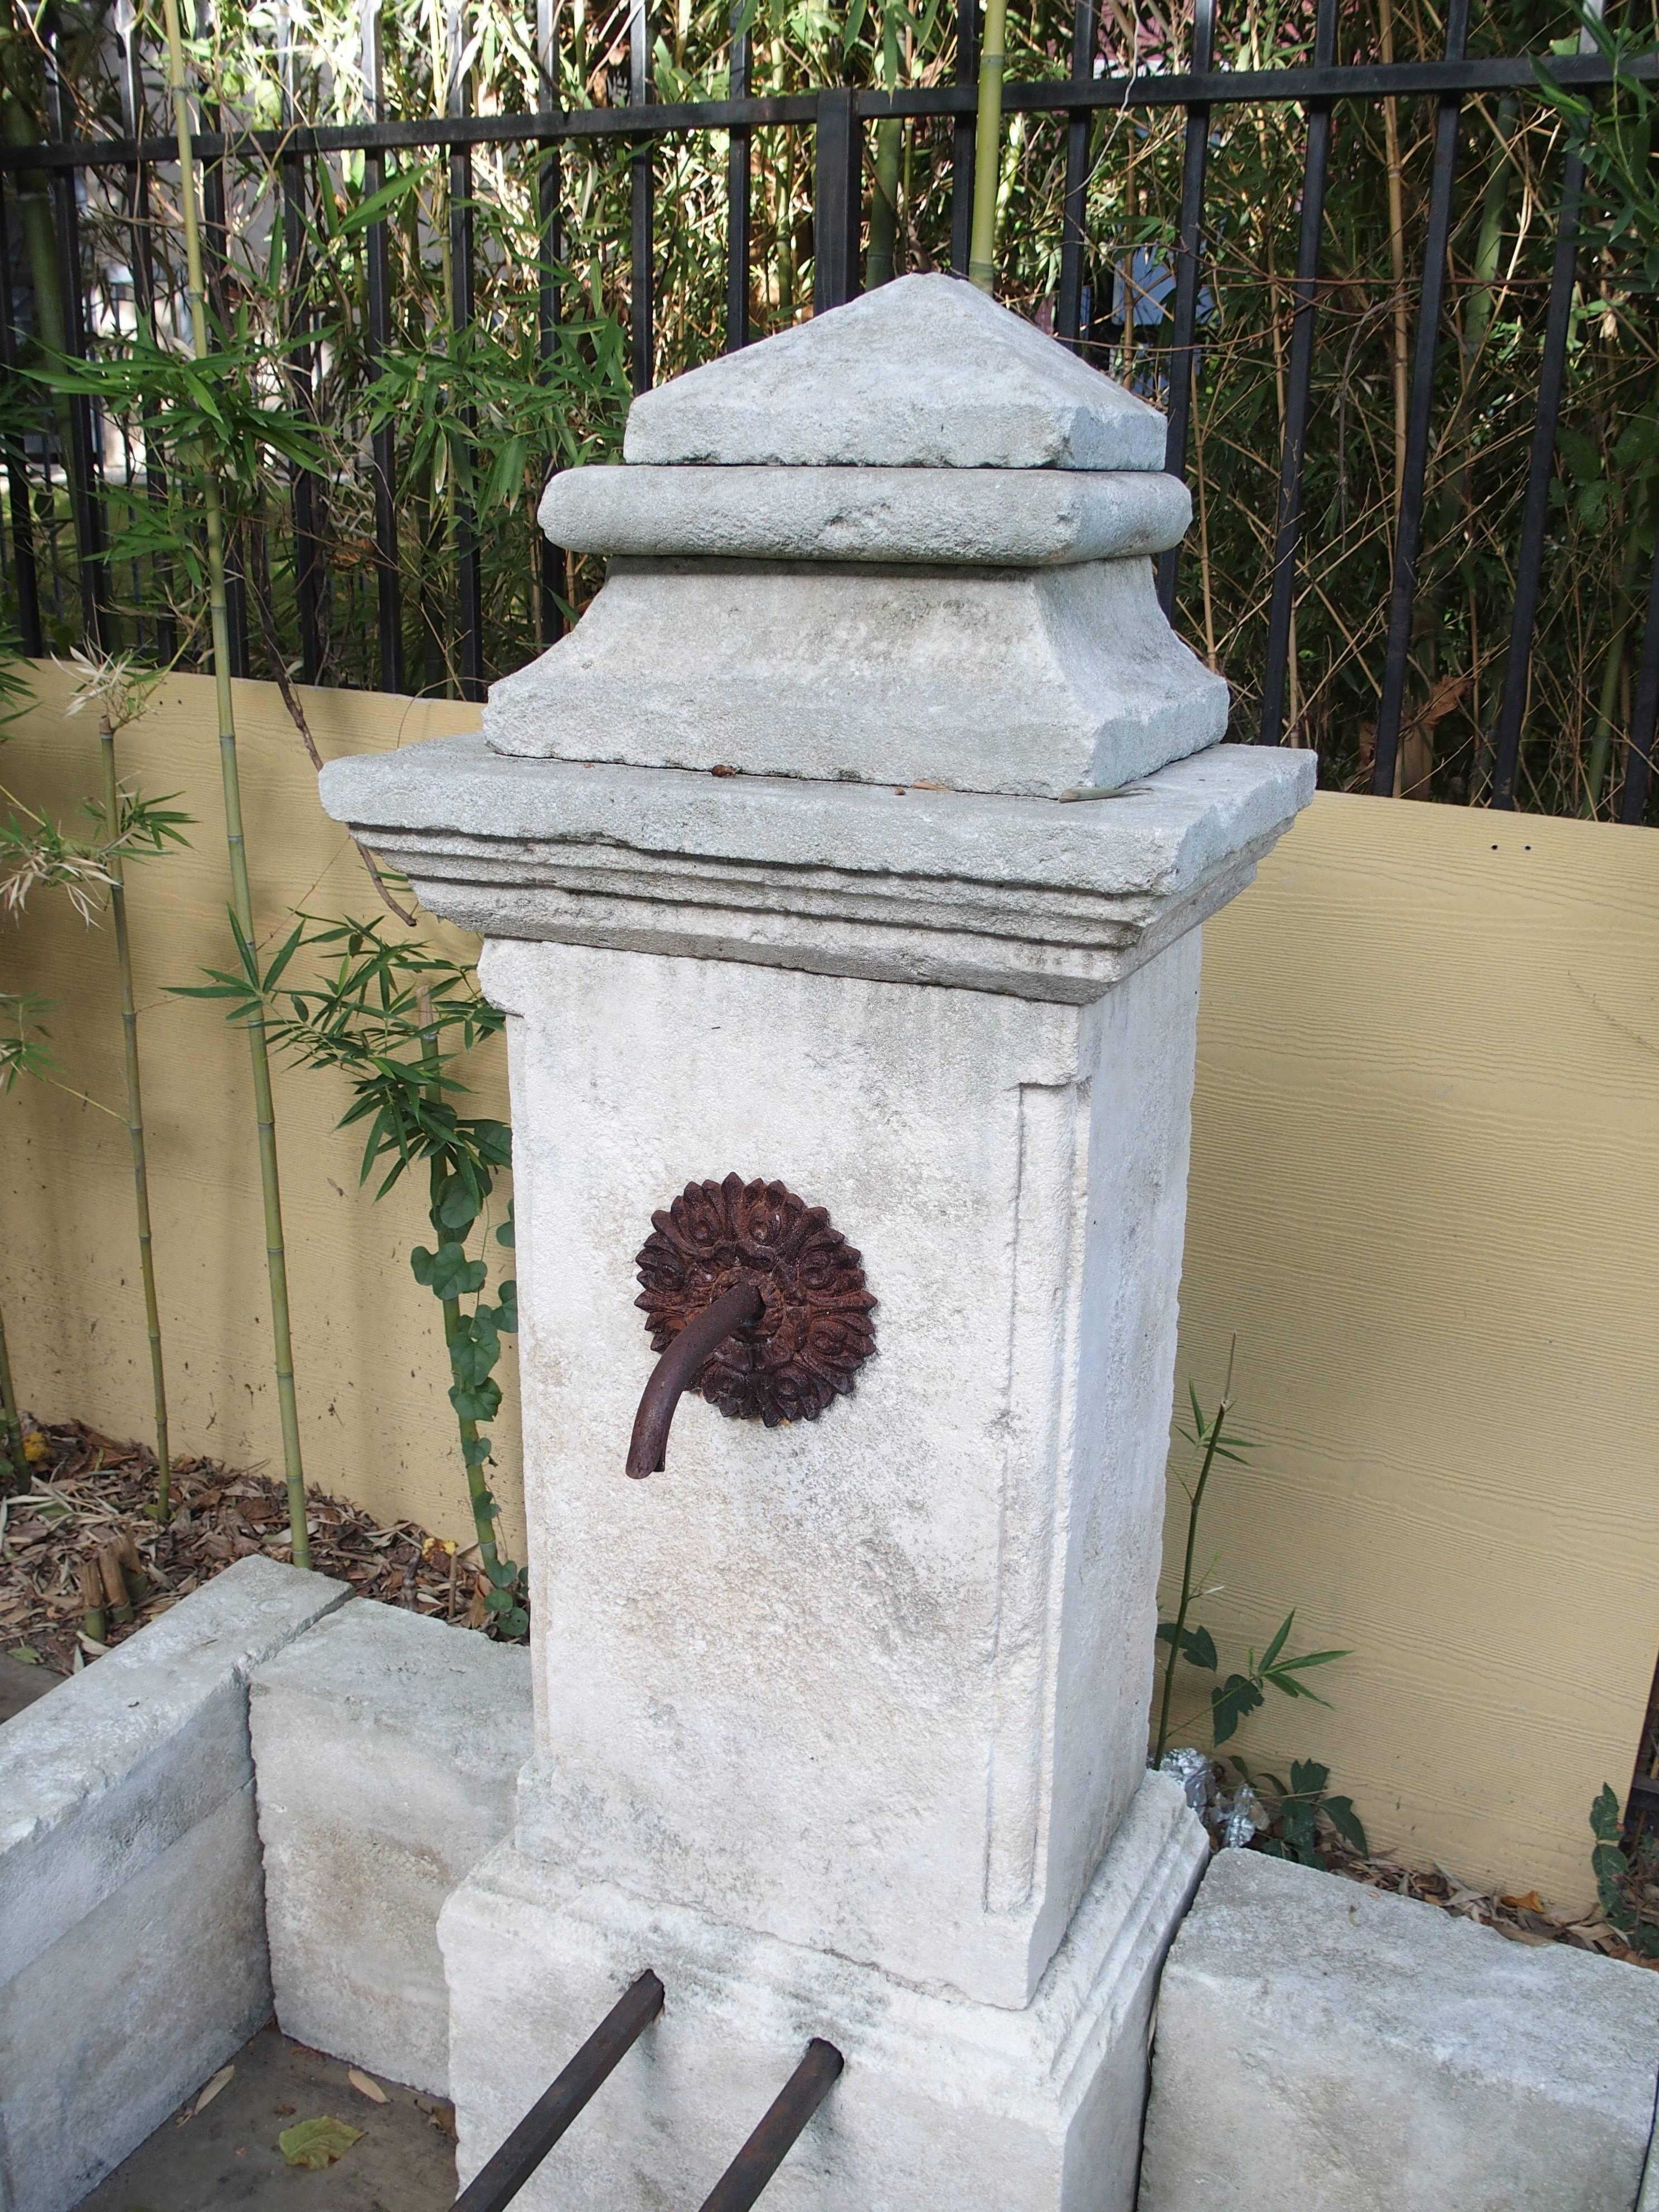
[[925, 372], [905, 543]]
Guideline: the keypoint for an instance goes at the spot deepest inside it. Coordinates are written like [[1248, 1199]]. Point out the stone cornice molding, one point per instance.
[[1028, 897]]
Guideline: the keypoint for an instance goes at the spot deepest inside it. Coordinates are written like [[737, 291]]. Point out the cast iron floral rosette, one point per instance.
[[814, 1332]]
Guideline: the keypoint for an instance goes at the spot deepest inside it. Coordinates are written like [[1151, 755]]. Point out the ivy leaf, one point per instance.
[[1342, 1817], [479, 1402], [1605, 1826], [1237, 1697], [448, 1271]]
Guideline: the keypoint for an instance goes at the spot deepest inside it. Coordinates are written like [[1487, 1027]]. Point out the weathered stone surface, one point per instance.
[[1321, 2046], [982, 518], [802, 1650], [925, 372], [1024, 896], [1036, 680], [941, 2104], [126, 2012], [386, 1747], [132, 1950], [122, 1759]]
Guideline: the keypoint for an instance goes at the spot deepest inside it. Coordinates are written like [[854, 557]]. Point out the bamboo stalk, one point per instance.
[[12, 1426], [116, 1593], [93, 1623], [117, 907], [882, 264], [1187, 1593], [988, 150], [241, 896]]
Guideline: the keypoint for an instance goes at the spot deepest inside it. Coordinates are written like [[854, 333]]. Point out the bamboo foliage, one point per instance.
[[534, 409], [241, 896]]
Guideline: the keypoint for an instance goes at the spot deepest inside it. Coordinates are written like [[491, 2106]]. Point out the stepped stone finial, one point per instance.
[[925, 372], [905, 543]]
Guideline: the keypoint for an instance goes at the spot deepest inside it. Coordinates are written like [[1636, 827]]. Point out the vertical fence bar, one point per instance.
[[81, 458], [1540, 466], [1644, 714], [643, 312], [739, 163], [1073, 221], [383, 449], [1402, 599], [838, 172], [215, 241], [468, 555], [1188, 268], [303, 488], [962, 139], [1275, 689], [550, 250], [143, 300], [17, 475]]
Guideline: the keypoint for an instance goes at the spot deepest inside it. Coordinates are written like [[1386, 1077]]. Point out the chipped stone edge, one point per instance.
[[1026, 897]]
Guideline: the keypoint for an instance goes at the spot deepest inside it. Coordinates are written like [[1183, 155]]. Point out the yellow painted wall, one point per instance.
[[371, 1376], [1423, 1193]]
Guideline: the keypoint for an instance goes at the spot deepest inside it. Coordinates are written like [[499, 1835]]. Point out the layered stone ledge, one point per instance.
[[1026, 897]]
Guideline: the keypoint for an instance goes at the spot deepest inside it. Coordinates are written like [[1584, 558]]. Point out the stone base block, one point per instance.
[[132, 1948], [1323, 2046], [943, 2102], [386, 1747]]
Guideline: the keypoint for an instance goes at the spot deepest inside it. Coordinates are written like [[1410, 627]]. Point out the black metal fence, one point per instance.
[[1303, 99]]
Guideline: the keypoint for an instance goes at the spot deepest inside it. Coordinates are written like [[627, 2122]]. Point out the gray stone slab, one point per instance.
[[1160, 836], [981, 518], [1319, 2045], [1026, 895], [1019, 680], [386, 1748], [129, 2008], [123, 1759], [925, 372]]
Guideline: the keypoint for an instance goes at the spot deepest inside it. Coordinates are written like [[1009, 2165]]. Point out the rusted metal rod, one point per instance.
[[678, 1368], [499, 2180], [772, 2140]]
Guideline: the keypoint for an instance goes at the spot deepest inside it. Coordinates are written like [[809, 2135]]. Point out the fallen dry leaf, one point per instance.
[[365, 2086], [212, 2090], [1529, 1901]]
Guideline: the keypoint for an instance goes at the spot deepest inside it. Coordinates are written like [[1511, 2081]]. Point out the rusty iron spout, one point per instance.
[[678, 1368]]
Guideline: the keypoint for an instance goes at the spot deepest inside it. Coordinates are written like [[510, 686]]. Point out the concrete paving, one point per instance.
[[226, 2155]]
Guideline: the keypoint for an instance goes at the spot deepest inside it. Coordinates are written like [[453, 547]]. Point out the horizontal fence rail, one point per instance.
[[429, 569]]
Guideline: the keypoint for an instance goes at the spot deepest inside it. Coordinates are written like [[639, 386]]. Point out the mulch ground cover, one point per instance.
[[1523, 1917], [88, 1494]]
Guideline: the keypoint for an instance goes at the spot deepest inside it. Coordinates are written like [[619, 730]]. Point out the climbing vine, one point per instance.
[[395, 1017]]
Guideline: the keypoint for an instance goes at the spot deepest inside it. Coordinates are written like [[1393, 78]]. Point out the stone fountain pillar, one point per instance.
[[856, 841]]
